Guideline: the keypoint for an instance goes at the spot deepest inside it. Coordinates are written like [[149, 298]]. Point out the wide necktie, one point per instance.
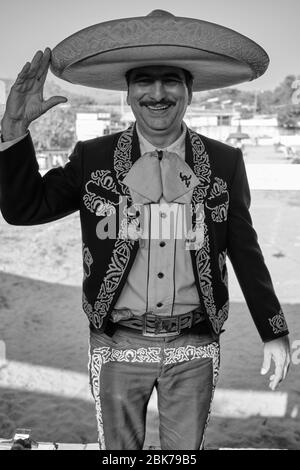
[[158, 174]]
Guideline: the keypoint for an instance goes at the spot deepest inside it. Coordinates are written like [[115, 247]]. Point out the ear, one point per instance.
[[127, 98], [190, 97]]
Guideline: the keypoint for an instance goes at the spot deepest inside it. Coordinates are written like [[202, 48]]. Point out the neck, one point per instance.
[[161, 139]]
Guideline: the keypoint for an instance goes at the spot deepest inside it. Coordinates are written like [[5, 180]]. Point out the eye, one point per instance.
[[143, 81], [172, 81]]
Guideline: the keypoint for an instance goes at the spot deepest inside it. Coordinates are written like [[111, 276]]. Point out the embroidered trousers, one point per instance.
[[125, 367]]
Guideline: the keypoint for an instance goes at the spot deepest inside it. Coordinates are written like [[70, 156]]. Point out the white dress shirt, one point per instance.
[[161, 279], [10, 143]]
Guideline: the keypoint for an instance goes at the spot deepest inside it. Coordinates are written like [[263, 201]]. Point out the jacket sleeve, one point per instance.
[[247, 260], [27, 198]]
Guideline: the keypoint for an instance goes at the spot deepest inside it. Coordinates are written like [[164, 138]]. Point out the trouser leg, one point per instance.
[[185, 391], [122, 377]]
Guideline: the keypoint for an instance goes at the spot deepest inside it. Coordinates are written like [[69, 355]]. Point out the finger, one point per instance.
[[53, 101], [36, 58], [274, 384], [38, 70], [22, 74], [40, 80], [266, 363], [25, 68], [35, 63], [286, 368], [277, 377], [44, 66]]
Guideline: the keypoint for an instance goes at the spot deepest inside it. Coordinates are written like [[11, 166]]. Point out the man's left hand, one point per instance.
[[278, 350]]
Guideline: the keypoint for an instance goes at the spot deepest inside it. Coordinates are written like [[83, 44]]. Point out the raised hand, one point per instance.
[[25, 102]]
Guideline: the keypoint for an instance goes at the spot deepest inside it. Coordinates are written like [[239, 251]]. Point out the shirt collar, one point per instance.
[[177, 147]]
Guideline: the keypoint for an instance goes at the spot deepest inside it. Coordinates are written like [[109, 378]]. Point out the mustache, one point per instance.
[[155, 103]]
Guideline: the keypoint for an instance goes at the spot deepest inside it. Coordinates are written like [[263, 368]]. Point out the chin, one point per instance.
[[160, 125]]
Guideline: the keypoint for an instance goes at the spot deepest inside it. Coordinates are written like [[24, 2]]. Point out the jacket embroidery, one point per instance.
[[278, 323], [88, 310], [116, 269], [218, 201], [223, 268], [87, 261], [201, 168], [203, 172], [92, 200], [222, 315], [122, 158], [106, 181]]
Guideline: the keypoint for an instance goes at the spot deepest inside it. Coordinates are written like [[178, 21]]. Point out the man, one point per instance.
[[156, 303]]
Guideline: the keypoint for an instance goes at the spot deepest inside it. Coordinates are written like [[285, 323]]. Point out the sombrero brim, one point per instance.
[[100, 56]]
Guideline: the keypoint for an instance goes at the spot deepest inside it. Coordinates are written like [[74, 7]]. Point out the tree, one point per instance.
[[55, 129], [289, 117], [283, 93]]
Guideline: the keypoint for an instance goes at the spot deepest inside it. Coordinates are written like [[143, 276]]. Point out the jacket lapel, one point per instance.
[[198, 158], [126, 153], [124, 250]]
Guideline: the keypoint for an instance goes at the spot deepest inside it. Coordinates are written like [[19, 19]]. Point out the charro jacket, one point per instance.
[[92, 182]]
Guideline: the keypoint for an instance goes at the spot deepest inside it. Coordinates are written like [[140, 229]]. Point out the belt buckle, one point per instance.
[[159, 330]]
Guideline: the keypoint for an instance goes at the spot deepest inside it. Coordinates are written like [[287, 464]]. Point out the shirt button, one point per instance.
[[160, 275], [162, 244], [163, 215], [159, 304]]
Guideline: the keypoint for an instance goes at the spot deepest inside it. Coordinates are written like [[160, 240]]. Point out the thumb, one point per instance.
[[54, 101], [266, 363]]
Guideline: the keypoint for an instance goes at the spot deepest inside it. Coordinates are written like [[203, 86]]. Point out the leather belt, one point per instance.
[[158, 326]]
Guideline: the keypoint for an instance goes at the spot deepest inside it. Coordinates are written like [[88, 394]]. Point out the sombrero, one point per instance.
[[99, 56]]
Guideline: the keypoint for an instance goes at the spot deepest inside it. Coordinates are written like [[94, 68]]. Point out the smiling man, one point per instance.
[[159, 96], [156, 304]]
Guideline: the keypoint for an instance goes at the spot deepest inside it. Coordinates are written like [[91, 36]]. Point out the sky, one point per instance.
[[29, 25]]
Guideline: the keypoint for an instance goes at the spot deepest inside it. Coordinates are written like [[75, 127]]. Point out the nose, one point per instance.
[[157, 91]]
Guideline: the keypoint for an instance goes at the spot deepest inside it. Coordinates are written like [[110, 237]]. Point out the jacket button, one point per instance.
[[159, 304], [162, 244], [160, 275]]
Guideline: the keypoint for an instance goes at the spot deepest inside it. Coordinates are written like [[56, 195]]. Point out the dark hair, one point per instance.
[[187, 75]]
